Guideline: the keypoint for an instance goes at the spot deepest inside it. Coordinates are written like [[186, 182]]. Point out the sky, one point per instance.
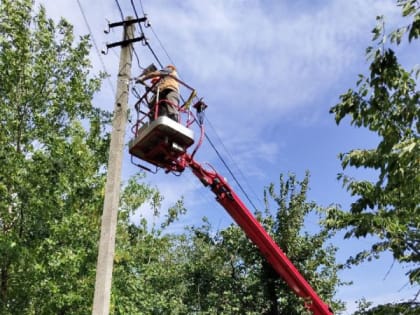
[[269, 72]]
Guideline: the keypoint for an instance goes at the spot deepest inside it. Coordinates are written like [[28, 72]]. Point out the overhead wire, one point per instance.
[[142, 34], [145, 40], [154, 33], [142, 8], [137, 16], [137, 58], [206, 135], [119, 8], [161, 45], [230, 171], [237, 167], [95, 45]]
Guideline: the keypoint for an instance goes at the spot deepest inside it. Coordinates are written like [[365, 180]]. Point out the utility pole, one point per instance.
[[102, 296]]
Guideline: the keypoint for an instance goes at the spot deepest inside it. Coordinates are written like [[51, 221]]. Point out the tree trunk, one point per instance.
[[4, 282], [270, 276]]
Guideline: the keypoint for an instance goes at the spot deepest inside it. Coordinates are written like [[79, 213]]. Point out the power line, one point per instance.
[[141, 5], [234, 163], [133, 50], [230, 172], [137, 58], [153, 31], [154, 54], [119, 8], [95, 45], [161, 45], [137, 16], [141, 29]]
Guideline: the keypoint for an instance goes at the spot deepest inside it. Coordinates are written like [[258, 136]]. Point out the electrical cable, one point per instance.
[[154, 33], [95, 45], [141, 29], [137, 58], [230, 172], [161, 45], [137, 16], [154, 54], [233, 160], [141, 6], [119, 8]]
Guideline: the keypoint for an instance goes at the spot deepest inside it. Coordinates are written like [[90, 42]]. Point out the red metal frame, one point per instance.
[[142, 116]]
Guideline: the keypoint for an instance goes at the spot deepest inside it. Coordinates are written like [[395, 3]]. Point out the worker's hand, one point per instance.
[[140, 79]]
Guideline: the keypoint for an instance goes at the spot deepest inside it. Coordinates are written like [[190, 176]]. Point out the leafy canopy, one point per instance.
[[386, 102], [52, 152], [226, 274]]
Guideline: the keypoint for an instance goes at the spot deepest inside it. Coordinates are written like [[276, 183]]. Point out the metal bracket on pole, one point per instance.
[[125, 42], [127, 22]]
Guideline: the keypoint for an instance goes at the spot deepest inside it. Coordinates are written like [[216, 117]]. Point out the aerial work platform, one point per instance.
[[161, 141]]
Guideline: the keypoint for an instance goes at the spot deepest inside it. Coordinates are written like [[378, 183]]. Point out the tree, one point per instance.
[[52, 151], [387, 102], [390, 308], [148, 277], [308, 251], [227, 274]]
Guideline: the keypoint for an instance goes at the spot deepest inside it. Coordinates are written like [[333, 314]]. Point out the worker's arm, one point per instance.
[[158, 73]]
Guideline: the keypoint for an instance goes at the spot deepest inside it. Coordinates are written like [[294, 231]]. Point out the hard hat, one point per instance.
[[172, 67]]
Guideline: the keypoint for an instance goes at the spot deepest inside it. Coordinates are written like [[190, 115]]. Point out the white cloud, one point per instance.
[[252, 61], [254, 64], [287, 58]]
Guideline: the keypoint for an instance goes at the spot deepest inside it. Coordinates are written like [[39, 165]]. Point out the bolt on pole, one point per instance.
[[102, 295]]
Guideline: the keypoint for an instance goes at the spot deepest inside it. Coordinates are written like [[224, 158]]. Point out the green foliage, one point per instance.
[[52, 149], [226, 274], [216, 276], [409, 8], [363, 306], [147, 277], [387, 102], [308, 251], [409, 308]]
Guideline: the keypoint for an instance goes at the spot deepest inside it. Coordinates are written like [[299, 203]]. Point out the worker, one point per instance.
[[167, 91]]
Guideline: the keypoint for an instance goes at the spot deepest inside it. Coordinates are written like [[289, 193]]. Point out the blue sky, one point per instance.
[[269, 71]]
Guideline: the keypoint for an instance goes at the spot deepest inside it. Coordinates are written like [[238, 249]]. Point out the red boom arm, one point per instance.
[[257, 234]]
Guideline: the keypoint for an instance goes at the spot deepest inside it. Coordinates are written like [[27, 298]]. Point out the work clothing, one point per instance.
[[166, 108], [168, 89], [167, 82]]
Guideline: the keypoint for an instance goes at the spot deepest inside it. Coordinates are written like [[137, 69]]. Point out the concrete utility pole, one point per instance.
[[102, 296]]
